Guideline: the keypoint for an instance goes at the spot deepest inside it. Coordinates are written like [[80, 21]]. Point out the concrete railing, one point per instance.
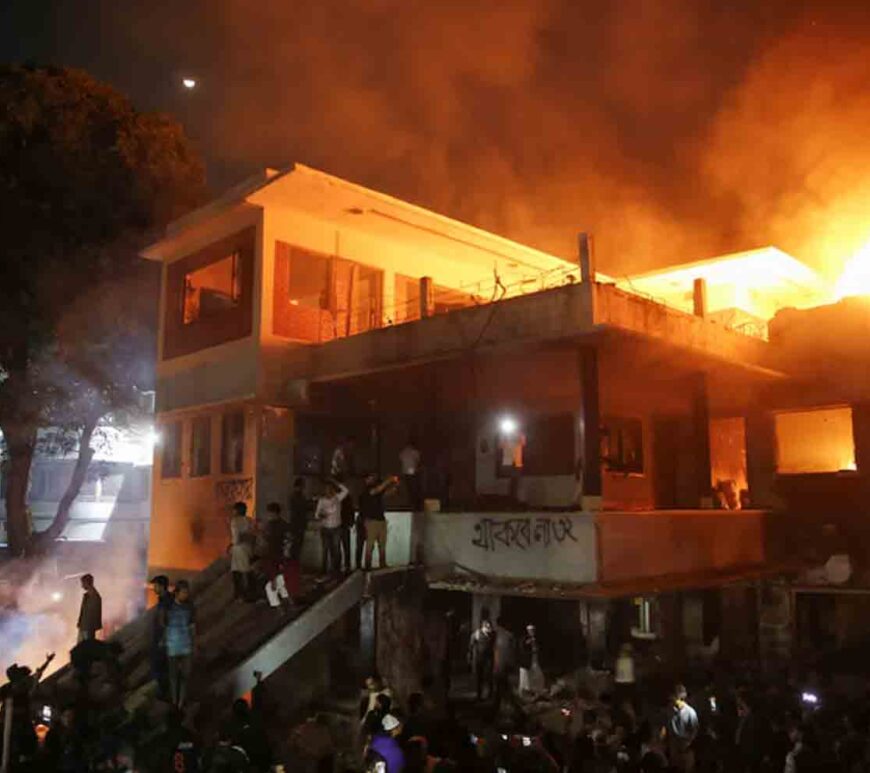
[[571, 547]]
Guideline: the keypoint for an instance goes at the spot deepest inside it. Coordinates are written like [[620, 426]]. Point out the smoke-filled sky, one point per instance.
[[671, 129]]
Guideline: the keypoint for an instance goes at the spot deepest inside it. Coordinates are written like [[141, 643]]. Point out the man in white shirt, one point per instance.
[[682, 728], [328, 515], [410, 459]]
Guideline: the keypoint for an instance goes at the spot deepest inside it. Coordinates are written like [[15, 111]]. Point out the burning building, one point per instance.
[[623, 448]]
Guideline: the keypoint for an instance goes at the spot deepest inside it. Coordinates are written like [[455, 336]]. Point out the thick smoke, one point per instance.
[[672, 129]]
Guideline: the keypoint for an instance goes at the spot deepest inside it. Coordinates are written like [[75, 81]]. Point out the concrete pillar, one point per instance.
[[388, 297], [274, 457], [590, 428], [401, 640], [761, 459], [368, 633], [701, 437], [861, 434], [700, 297], [426, 304], [671, 631], [738, 636], [593, 623], [586, 257], [776, 622]]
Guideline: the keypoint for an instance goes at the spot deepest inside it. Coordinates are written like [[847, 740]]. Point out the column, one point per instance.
[[368, 633], [593, 623], [590, 428], [761, 459], [701, 438], [425, 297]]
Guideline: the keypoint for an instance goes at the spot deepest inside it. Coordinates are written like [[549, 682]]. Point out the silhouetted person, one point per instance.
[[300, 509], [91, 610], [180, 640], [157, 650], [240, 551], [371, 512], [411, 460], [481, 654]]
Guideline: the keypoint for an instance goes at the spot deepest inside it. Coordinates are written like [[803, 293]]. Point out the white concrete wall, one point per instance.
[[544, 546]]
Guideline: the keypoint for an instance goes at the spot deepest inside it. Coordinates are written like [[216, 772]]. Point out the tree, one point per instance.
[[85, 180]]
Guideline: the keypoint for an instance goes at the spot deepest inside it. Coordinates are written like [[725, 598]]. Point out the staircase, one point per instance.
[[234, 638]]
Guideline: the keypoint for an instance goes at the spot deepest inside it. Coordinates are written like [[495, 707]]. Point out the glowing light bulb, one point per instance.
[[508, 425], [188, 83]]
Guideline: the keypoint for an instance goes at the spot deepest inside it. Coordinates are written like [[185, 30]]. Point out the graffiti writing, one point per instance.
[[228, 492], [522, 533]]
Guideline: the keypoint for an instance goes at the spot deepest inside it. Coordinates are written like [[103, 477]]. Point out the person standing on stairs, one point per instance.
[[91, 611], [180, 626], [241, 549], [159, 664], [328, 515], [275, 534], [371, 512]]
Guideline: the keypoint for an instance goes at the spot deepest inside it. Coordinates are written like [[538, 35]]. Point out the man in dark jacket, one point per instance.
[[157, 654], [91, 611]]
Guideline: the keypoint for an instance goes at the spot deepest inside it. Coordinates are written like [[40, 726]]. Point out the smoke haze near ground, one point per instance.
[[672, 129]]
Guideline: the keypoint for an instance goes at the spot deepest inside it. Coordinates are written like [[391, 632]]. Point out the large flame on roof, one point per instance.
[[855, 279]]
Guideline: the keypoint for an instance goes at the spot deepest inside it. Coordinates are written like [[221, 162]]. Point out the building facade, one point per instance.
[[586, 440]]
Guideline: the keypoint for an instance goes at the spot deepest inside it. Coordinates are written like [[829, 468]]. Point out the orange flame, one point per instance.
[[855, 279]]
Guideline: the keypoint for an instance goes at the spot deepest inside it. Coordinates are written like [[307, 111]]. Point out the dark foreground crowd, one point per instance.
[[725, 721]]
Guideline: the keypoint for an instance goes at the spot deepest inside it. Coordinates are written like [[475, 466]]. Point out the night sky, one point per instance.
[[672, 129]]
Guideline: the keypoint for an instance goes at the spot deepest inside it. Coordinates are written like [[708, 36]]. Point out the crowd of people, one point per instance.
[[726, 719]]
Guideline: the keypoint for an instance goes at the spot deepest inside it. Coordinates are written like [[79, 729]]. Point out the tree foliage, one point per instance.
[[85, 180]]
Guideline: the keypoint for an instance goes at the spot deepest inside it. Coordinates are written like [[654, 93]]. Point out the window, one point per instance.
[[233, 442], [308, 284], [817, 440], [622, 445], [200, 447], [213, 289], [550, 445], [170, 462], [406, 299]]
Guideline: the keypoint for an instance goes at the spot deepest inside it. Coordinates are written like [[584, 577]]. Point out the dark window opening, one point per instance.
[[212, 290], [170, 461], [308, 281], [233, 442], [200, 447], [550, 445], [622, 445]]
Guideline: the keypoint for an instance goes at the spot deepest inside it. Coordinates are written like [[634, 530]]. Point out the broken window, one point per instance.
[[814, 441], [170, 444], [406, 306], [200, 447], [233, 442], [212, 289], [550, 445], [622, 445], [308, 284]]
